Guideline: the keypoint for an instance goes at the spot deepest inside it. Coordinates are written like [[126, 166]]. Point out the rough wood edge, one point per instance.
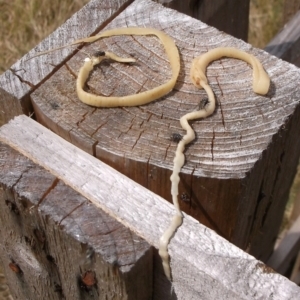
[[203, 264], [9, 107]]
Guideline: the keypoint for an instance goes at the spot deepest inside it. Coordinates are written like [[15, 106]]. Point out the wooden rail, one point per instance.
[[230, 16], [60, 249], [236, 179]]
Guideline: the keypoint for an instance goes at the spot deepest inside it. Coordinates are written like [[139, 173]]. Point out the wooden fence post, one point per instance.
[[231, 16], [239, 169]]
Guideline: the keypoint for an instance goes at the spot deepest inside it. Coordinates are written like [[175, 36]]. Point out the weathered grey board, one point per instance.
[[56, 237], [239, 169], [204, 265], [286, 44], [231, 16], [25, 75]]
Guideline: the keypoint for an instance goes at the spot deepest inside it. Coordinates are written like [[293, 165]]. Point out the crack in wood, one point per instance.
[[191, 187], [69, 69], [253, 218], [150, 116], [99, 127], [110, 231], [137, 139], [142, 86], [266, 212], [166, 153], [53, 185], [21, 79], [131, 125], [219, 102], [68, 214], [212, 145], [82, 119], [21, 176]]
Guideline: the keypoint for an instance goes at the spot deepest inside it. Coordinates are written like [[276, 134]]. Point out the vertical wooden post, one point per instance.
[[230, 16]]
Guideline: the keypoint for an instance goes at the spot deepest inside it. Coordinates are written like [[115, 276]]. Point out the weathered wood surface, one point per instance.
[[25, 75], [9, 107], [239, 169], [286, 44], [231, 16], [204, 265], [56, 237]]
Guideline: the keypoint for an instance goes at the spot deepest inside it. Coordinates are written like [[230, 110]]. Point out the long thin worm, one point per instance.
[[261, 84]]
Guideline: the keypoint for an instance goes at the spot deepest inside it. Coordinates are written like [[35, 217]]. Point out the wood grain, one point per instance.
[[204, 265], [240, 167], [26, 75], [55, 236], [9, 107]]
